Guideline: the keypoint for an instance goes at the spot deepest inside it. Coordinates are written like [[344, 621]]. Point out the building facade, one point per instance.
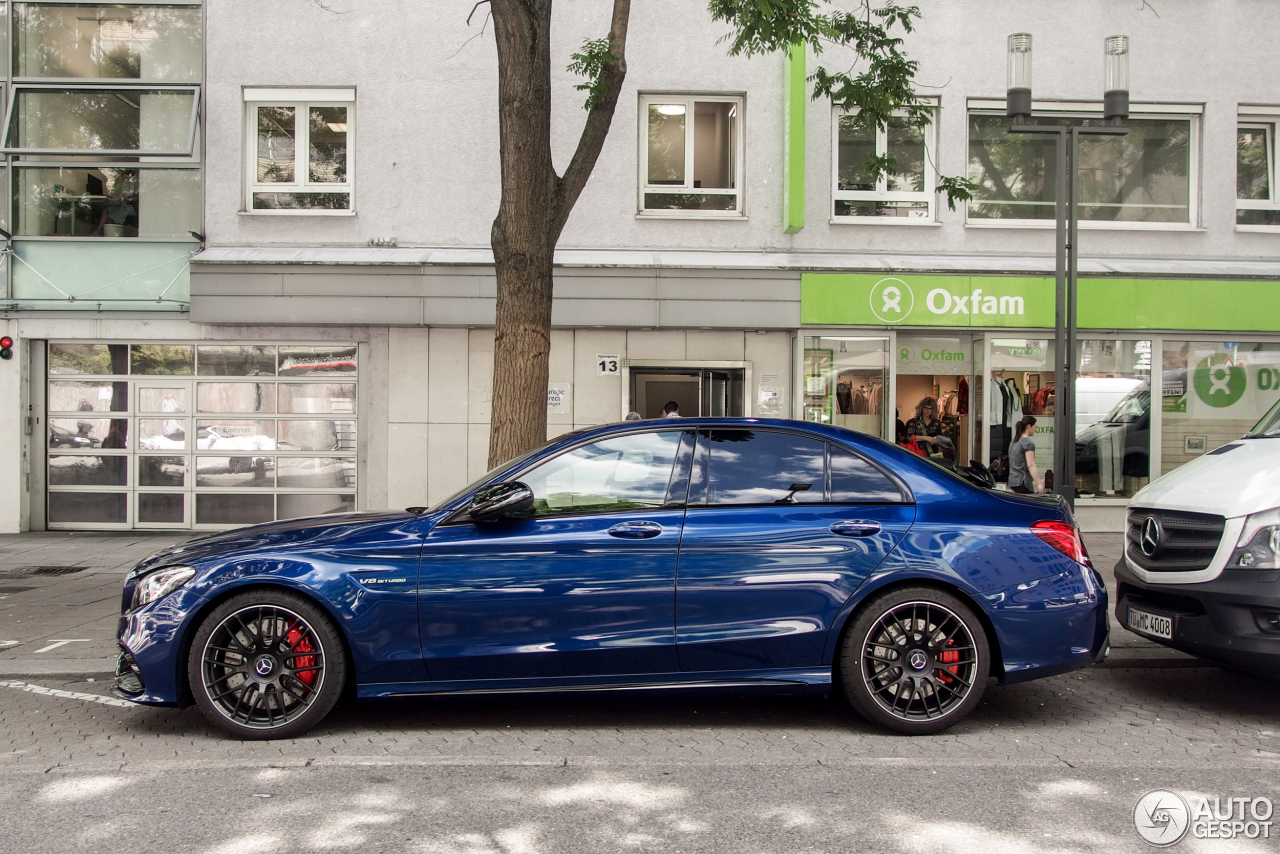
[[249, 276]]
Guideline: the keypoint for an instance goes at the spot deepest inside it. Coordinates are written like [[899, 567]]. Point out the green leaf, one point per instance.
[[590, 63]]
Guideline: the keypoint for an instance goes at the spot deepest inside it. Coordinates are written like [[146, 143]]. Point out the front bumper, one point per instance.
[[1233, 619]]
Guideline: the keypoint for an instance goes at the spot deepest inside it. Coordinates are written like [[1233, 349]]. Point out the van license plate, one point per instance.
[[1151, 624]]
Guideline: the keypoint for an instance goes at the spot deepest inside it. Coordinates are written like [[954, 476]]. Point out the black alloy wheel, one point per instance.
[[915, 660], [266, 664]]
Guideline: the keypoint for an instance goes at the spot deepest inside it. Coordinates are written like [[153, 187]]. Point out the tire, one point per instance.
[[266, 664], [915, 660]]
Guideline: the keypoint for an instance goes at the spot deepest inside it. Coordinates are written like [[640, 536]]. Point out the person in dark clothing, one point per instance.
[[925, 426]]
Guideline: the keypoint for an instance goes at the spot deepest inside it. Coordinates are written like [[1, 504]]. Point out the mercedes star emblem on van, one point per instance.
[[1150, 536]]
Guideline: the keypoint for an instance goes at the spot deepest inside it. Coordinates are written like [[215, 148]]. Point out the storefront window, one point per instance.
[[1113, 418], [932, 408], [844, 382], [1213, 392], [1020, 383]]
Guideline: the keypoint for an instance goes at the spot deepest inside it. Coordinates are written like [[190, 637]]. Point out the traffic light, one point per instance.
[[6, 347]]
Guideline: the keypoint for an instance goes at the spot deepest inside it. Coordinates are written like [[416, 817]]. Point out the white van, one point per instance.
[[1201, 565]]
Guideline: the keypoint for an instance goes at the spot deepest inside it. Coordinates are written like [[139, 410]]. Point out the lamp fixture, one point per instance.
[[1018, 97], [671, 109], [1115, 78]]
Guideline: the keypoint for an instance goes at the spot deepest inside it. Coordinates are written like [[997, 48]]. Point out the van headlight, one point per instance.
[[159, 584], [1259, 543]]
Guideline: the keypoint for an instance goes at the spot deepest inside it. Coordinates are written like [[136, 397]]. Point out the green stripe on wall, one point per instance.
[[1175, 304], [793, 168]]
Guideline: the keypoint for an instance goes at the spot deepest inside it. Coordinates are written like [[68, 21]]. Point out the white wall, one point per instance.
[[438, 435], [427, 137]]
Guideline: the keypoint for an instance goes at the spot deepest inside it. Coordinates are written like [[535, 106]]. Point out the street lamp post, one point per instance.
[[1115, 107]]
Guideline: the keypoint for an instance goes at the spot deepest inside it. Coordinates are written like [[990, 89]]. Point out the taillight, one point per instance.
[[1064, 537]]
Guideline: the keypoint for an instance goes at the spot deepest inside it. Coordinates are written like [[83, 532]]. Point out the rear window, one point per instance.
[[854, 480], [761, 467]]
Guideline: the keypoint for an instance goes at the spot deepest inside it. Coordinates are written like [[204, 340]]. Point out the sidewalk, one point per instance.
[[60, 602]]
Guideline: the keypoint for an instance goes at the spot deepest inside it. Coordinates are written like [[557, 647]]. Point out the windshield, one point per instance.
[[1268, 427], [1133, 407]]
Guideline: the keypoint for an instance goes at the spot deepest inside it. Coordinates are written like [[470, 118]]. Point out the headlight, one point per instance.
[[1259, 543], [159, 584]]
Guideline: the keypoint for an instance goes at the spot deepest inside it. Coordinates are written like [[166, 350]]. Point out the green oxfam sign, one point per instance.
[[1219, 384], [1028, 302]]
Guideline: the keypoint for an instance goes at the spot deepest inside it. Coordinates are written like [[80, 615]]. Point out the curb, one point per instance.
[[64, 667]]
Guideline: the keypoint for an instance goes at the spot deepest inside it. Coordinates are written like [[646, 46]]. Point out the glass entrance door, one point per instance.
[[697, 392]]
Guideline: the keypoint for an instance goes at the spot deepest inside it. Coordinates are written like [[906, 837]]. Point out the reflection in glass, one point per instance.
[[89, 359], [86, 470], [161, 507], [255, 472], [151, 43], [276, 145], [301, 201], [102, 120], [162, 471], [316, 472], [88, 396], [305, 398], [317, 435], [844, 382], [759, 467], [1143, 176], [152, 399], [225, 435], [313, 361], [624, 473], [666, 144], [1113, 417], [853, 479], [241, 509], [81, 433], [102, 508], [168, 434], [235, 397], [295, 506], [857, 145], [168, 359], [236, 360], [1253, 163], [328, 139], [908, 210], [105, 201], [906, 149]]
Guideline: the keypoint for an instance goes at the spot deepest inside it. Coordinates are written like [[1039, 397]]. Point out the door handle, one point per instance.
[[856, 529], [635, 530]]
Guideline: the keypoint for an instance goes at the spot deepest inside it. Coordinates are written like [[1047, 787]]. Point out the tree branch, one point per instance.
[[600, 116]]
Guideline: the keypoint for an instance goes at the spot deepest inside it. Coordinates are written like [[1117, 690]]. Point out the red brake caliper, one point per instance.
[[950, 656], [298, 644]]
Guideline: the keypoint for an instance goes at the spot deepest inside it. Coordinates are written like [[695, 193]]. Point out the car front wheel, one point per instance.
[[915, 660], [266, 664]]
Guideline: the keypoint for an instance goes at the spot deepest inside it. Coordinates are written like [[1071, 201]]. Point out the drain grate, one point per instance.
[[42, 570]]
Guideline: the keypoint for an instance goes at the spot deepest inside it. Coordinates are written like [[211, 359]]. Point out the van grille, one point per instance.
[[1187, 541]]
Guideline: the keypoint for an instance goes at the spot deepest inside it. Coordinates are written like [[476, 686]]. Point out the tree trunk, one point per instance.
[[535, 205], [523, 243]]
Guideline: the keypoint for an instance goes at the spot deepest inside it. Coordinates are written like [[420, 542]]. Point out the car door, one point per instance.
[[584, 585], [782, 528]]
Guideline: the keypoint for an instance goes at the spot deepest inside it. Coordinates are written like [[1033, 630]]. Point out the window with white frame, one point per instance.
[[907, 196], [1256, 200], [300, 151], [691, 155], [1144, 179]]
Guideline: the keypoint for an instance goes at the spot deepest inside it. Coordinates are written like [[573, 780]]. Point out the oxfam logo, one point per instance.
[[892, 300], [1219, 385]]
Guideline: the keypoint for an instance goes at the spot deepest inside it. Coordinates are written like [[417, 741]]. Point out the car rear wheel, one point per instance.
[[915, 660], [266, 664]]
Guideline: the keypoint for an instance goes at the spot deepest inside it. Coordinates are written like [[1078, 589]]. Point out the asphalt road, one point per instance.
[[1049, 766]]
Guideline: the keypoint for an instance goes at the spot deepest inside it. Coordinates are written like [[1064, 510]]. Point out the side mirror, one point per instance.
[[497, 502]]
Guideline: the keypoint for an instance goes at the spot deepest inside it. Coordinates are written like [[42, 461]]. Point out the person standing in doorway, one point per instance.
[[1023, 477], [925, 426], [671, 409]]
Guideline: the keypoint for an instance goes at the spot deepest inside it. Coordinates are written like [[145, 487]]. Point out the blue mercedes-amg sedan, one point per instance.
[[673, 554]]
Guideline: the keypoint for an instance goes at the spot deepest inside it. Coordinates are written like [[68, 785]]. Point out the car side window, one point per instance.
[[629, 472], [856, 481], [761, 467]]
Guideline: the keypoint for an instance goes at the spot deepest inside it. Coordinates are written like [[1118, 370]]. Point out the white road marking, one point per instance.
[[68, 695], [57, 642], [3, 644]]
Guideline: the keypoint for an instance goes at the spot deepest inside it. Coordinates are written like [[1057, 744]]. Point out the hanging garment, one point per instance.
[[1015, 401], [844, 399], [962, 396]]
